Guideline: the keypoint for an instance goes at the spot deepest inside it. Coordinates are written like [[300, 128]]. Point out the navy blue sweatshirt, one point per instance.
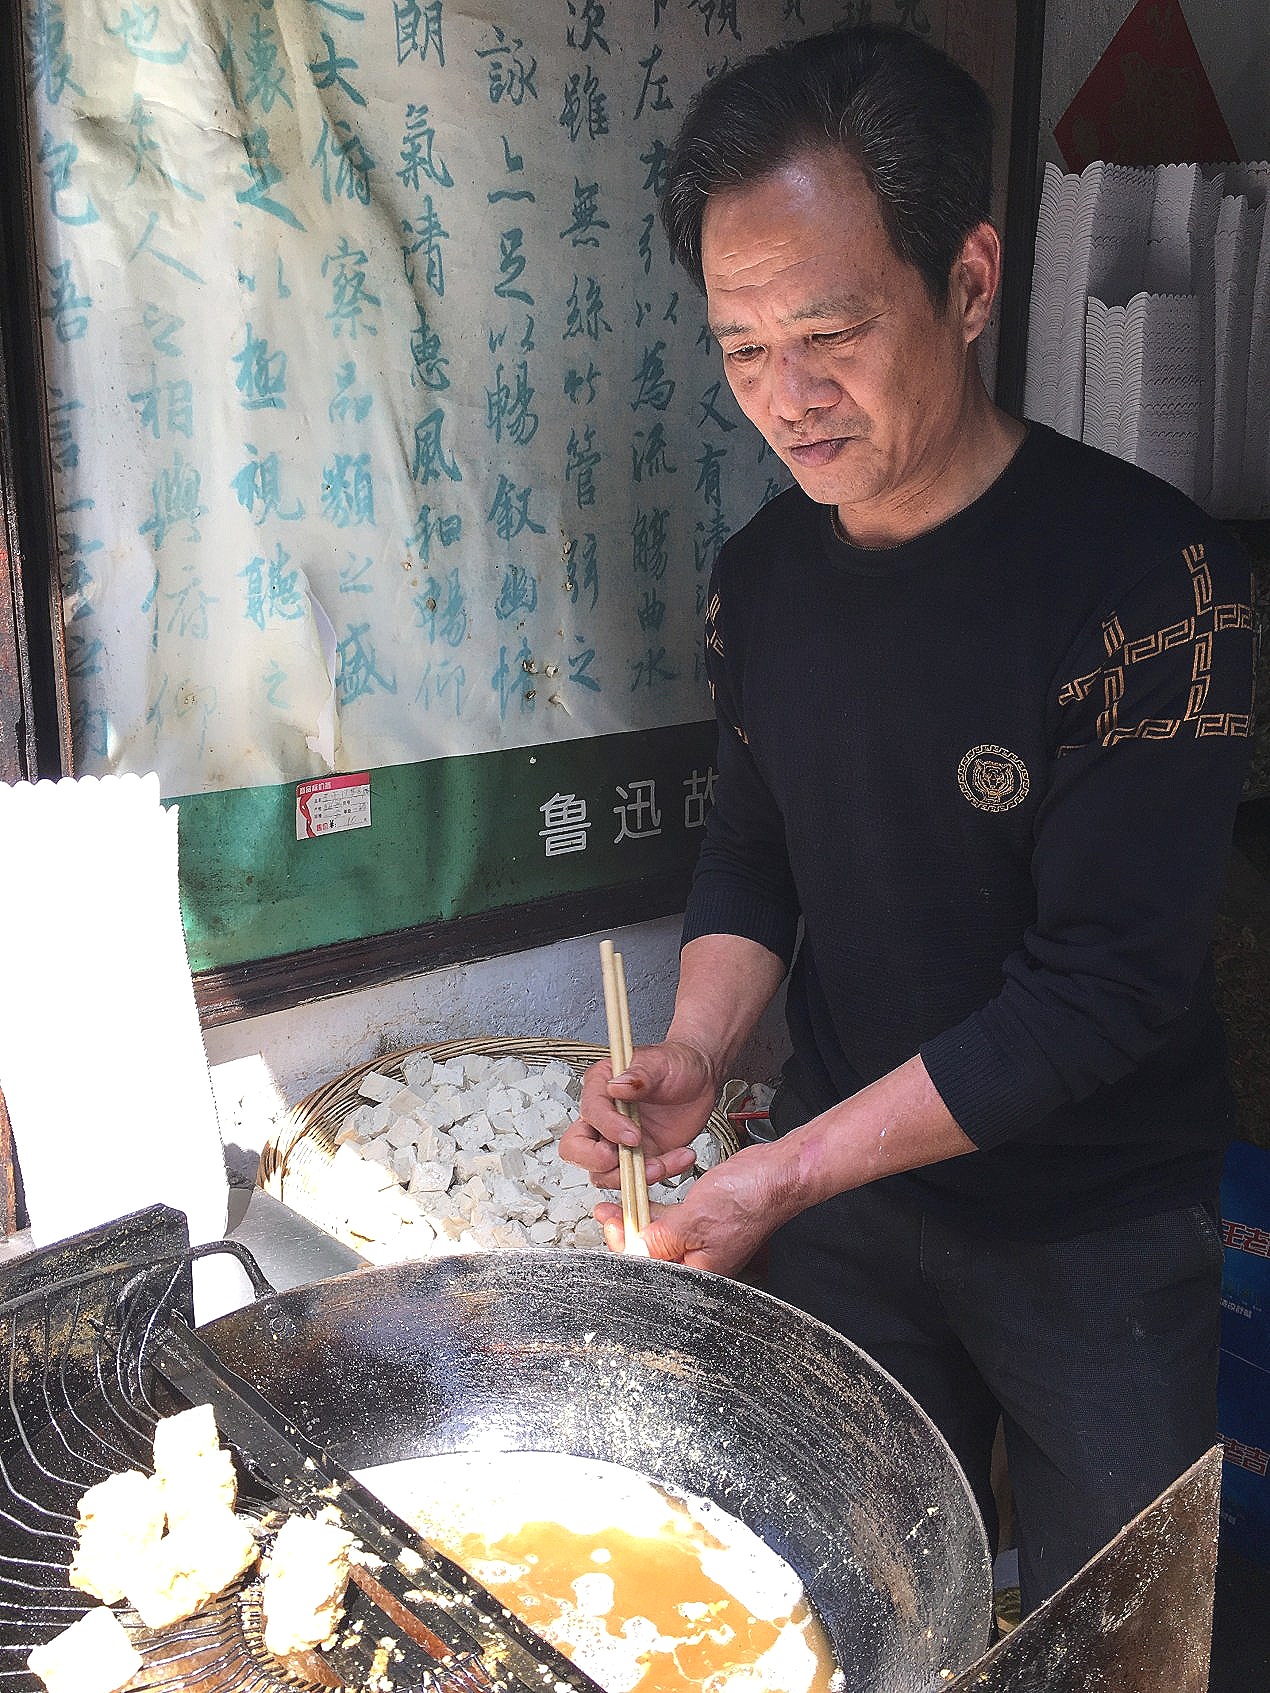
[[994, 770]]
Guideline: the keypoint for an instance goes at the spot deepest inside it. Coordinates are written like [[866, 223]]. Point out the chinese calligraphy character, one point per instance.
[[349, 293], [442, 609], [348, 491], [430, 461], [174, 494], [589, 16], [57, 158], [259, 483], [580, 667], [580, 466], [586, 217], [709, 538], [511, 265], [698, 796], [137, 28], [264, 175], [519, 593], [357, 671], [189, 613], [510, 409], [146, 150], [50, 65], [653, 387], [586, 317], [273, 591], [709, 410], [446, 529], [448, 678], [708, 477], [418, 152], [339, 145], [425, 350], [328, 72], [168, 259], [428, 235], [509, 511], [266, 84], [650, 669], [176, 416], [566, 825], [654, 86], [513, 677], [262, 375], [649, 546], [650, 454], [353, 575], [575, 382], [590, 571], [510, 77], [585, 106], [418, 29], [638, 816], [657, 158], [345, 404]]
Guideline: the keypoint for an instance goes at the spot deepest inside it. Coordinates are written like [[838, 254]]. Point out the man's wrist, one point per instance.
[[712, 1064]]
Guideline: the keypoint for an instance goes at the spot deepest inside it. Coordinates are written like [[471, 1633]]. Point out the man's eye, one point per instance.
[[832, 337], [742, 355]]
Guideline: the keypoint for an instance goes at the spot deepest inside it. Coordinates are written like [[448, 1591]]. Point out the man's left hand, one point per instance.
[[724, 1218]]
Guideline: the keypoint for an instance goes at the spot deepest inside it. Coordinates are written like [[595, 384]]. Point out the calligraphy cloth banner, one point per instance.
[[383, 427]]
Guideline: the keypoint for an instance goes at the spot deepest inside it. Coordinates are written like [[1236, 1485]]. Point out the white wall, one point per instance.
[[263, 1065]]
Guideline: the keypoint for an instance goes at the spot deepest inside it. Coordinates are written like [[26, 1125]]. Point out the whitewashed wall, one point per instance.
[[263, 1065]]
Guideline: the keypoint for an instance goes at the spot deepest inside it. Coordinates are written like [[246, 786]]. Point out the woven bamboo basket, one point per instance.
[[295, 1164]]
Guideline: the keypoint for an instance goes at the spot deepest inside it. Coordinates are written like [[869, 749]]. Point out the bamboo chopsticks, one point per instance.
[[635, 1212]]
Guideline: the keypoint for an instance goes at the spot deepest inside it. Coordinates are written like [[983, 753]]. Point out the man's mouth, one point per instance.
[[812, 454]]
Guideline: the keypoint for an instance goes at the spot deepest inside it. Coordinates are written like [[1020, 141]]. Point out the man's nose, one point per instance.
[[800, 386]]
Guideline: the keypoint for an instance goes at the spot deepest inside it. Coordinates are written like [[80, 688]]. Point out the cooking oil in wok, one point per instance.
[[646, 1591]]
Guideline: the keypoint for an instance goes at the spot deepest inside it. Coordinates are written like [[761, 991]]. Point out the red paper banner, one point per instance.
[[1148, 100]]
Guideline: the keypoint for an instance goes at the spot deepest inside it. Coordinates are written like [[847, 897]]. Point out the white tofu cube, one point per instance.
[[374, 1085], [405, 1103], [93, 1655], [433, 1176], [544, 1233], [403, 1162], [418, 1068]]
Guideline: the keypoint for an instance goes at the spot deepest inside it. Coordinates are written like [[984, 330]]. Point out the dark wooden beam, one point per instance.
[[299, 978], [1021, 204]]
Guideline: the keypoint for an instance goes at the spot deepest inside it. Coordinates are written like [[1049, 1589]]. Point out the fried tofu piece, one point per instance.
[[93, 1655], [197, 1558], [193, 1470], [305, 1579], [120, 1519]]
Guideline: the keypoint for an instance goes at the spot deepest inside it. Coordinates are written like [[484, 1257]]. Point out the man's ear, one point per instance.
[[975, 278]]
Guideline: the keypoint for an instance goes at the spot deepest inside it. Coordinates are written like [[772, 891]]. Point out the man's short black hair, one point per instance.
[[918, 126]]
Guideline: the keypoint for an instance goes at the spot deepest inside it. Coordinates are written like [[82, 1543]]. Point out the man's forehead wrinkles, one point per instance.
[[830, 307]]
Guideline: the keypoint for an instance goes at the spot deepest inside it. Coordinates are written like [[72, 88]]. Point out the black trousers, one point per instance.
[[1099, 1353]]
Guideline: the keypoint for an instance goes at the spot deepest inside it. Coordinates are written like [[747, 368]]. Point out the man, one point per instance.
[[983, 700]]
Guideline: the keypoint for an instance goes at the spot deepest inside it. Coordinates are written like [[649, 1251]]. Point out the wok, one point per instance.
[[705, 1385]]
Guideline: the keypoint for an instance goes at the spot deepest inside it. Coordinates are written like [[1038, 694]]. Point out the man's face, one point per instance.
[[830, 342]]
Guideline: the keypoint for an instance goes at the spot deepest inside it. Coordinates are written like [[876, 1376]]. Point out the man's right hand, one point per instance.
[[675, 1088]]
